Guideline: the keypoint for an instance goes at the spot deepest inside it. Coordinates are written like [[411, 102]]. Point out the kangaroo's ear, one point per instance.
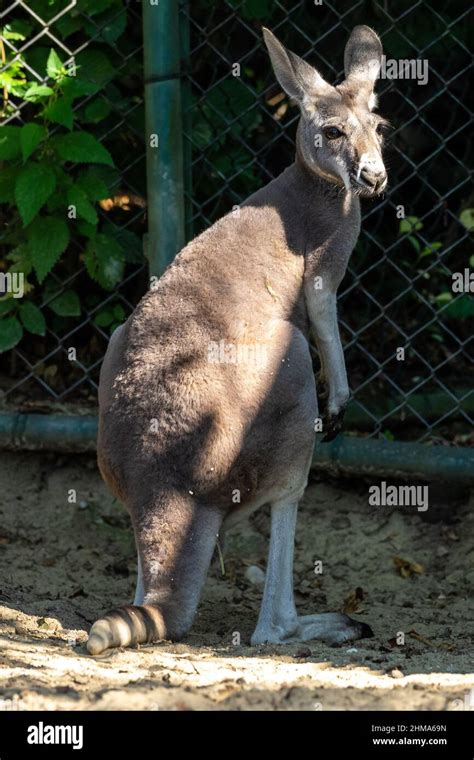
[[299, 80], [363, 58]]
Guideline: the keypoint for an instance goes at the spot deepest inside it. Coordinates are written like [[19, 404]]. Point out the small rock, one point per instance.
[[352, 650], [21, 629], [83, 504], [396, 673], [255, 575], [302, 653]]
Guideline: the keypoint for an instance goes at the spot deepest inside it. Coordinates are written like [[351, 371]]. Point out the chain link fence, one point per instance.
[[398, 289], [99, 45], [239, 133]]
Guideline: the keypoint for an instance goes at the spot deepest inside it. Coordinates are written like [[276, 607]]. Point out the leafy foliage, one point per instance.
[[55, 169]]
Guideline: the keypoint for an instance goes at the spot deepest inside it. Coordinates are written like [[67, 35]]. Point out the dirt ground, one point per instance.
[[62, 564]]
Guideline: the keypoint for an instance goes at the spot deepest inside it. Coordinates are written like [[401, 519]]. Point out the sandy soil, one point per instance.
[[62, 564]]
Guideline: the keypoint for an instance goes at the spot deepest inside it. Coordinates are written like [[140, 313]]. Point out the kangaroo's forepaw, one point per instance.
[[332, 425]]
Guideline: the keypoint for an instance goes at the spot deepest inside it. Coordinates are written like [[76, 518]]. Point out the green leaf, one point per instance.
[[119, 312], [410, 224], [105, 261], [34, 185], [36, 92], [54, 65], [103, 318], [93, 185], [93, 7], [443, 298], [7, 304], [112, 24], [16, 30], [60, 112], [73, 87], [48, 237], [130, 243], [82, 147], [97, 110], [8, 176], [76, 197], [30, 137], [11, 332], [12, 35], [95, 66], [32, 318], [68, 24], [429, 249], [9, 142], [86, 229], [461, 308], [253, 9], [415, 243], [66, 305], [109, 176], [466, 218]]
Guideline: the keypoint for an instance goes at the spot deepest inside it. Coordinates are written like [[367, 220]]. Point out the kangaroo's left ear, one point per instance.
[[299, 79], [363, 58]]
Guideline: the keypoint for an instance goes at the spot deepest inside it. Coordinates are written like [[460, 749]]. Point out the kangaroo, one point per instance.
[[190, 442]]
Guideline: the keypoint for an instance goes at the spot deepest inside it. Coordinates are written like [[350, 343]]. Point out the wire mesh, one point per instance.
[[238, 130], [103, 41], [397, 292]]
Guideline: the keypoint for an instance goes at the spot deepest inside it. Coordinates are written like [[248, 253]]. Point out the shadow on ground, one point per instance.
[[62, 563]]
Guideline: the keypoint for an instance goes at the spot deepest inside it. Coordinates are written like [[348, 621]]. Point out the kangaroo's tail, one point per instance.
[[126, 626]]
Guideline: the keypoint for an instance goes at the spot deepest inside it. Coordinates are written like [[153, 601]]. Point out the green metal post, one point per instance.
[[164, 133]]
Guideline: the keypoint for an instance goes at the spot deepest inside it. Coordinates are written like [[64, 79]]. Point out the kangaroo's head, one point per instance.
[[339, 136]]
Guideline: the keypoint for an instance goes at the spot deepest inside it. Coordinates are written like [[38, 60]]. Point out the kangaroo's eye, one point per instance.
[[381, 128], [332, 133]]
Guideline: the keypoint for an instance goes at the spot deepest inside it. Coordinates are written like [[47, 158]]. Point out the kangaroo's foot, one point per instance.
[[333, 628]]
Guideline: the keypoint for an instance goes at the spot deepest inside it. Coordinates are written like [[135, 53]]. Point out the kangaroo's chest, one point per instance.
[[329, 247]]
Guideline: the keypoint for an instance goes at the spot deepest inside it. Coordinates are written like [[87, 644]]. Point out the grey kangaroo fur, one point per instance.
[[182, 437]]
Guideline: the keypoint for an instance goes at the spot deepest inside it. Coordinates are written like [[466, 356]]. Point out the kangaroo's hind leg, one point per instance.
[[278, 621], [175, 539]]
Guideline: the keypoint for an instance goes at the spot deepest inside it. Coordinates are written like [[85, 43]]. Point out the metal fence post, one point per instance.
[[164, 133]]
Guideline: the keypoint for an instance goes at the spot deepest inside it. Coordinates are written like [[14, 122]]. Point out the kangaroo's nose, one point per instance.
[[374, 179]]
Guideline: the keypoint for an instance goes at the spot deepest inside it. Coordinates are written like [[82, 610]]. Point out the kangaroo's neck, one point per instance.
[[322, 209]]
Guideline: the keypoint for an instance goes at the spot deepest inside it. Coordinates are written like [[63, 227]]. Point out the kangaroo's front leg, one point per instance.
[[333, 388]]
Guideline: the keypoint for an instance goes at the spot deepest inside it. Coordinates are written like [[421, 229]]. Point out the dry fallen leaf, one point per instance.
[[353, 602], [428, 642], [123, 201], [406, 568]]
